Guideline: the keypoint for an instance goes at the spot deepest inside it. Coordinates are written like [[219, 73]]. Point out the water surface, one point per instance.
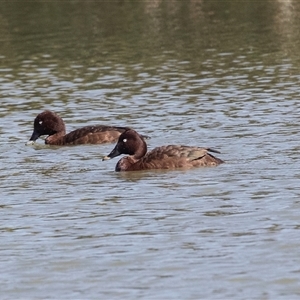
[[221, 74]]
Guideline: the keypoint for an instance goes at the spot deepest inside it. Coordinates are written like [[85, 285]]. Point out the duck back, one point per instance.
[[170, 157], [88, 135]]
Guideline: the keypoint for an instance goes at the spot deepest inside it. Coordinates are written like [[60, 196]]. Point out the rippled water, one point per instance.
[[223, 75]]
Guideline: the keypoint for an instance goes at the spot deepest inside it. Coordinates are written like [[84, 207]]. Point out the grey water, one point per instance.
[[221, 74]]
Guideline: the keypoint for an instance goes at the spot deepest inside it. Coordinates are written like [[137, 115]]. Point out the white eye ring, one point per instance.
[[124, 140], [40, 122]]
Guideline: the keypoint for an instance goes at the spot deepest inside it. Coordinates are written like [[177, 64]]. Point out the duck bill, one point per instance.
[[35, 135], [115, 152]]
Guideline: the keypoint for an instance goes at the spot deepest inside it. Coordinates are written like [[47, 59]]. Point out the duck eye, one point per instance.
[[40, 122], [124, 140]]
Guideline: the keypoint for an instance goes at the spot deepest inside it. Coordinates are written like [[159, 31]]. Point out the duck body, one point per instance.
[[98, 134], [51, 124], [164, 157]]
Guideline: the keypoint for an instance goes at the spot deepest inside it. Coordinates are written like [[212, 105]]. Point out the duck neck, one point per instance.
[[56, 138], [141, 150]]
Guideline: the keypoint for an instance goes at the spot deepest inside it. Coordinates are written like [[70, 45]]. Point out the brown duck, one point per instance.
[[164, 157], [49, 123]]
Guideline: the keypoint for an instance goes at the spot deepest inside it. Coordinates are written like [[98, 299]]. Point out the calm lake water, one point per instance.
[[223, 74]]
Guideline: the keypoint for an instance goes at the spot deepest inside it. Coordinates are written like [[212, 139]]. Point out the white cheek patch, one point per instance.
[[124, 140], [40, 122]]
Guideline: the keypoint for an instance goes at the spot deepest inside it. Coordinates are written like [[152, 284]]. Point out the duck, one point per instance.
[[51, 124], [163, 157]]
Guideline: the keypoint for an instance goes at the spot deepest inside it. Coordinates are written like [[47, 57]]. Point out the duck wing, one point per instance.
[[178, 156]]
